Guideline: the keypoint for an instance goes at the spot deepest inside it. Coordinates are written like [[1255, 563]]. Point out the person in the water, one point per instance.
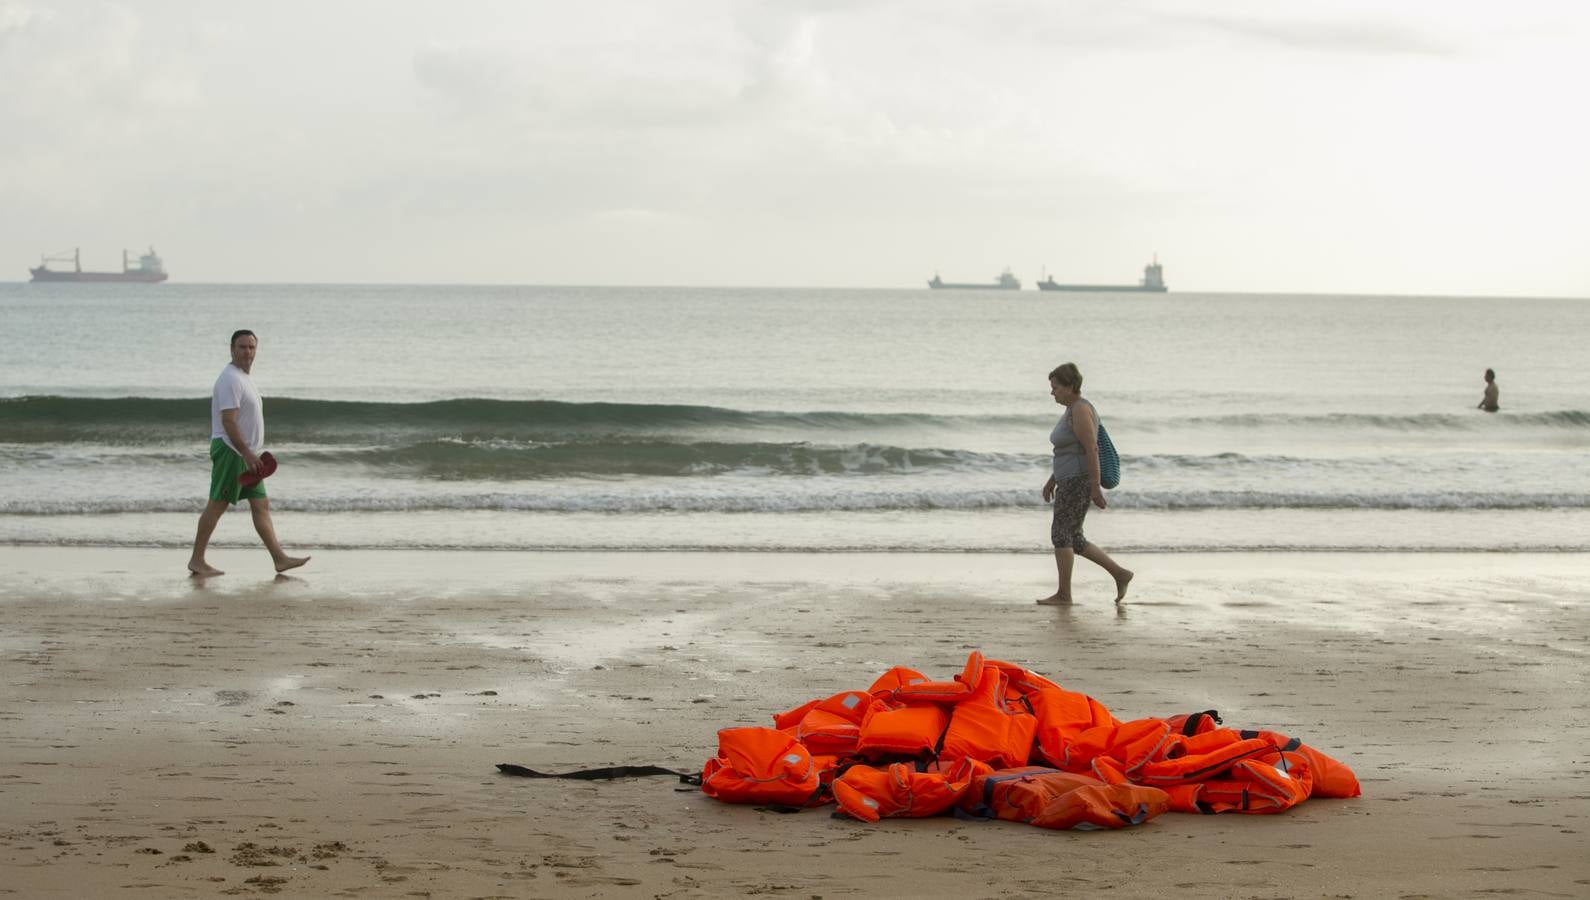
[[1488, 402]]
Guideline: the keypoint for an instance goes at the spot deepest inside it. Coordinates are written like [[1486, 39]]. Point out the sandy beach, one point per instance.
[[335, 734]]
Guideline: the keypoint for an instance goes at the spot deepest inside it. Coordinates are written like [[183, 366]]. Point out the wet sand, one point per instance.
[[335, 733]]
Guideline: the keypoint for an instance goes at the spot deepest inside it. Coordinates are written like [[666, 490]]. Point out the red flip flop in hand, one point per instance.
[[267, 467]]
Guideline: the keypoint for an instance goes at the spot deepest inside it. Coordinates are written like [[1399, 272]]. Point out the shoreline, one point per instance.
[[350, 715], [840, 550], [979, 532]]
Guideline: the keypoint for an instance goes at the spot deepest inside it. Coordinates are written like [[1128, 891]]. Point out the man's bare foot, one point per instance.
[[1120, 586], [1054, 600], [202, 569], [290, 562]]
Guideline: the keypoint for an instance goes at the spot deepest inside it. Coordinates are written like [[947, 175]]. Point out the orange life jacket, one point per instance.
[[1022, 682], [790, 718], [1202, 757], [900, 790], [953, 691], [986, 727], [761, 765], [1062, 717], [1332, 778], [1189, 724], [1249, 786], [1049, 798], [1128, 746], [833, 726], [911, 731], [893, 680]]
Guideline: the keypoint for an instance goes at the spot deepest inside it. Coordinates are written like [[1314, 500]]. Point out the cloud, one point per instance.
[[624, 78], [87, 76], [1338, 36], [779, 107], [15, 18], [868, 137]]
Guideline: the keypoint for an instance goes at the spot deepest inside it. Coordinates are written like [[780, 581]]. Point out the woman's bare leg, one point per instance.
[[1122, 576], [1064, 561]]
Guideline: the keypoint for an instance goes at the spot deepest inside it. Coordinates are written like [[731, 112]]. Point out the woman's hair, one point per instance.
[[1490, 374], [1067, 375]]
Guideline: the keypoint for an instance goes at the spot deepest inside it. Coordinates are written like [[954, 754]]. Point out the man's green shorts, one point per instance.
[[226, 465]]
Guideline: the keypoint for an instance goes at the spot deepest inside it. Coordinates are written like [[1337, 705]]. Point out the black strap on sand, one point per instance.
[[603, 774]]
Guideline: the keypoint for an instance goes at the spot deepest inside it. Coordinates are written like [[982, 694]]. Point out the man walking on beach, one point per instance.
[[237, 431]]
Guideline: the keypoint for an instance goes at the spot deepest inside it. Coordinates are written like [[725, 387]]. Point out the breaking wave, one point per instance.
[[1411, 422], [513, 460], [902, 500], [135, 420], [38, 419]]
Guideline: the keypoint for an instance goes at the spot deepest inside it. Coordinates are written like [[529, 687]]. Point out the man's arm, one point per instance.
[[230, 426]]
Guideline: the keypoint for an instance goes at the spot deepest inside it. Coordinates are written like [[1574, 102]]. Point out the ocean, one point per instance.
[[548, 418]]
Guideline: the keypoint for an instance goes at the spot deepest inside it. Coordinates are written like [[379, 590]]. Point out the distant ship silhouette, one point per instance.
[[1005, 282], [149, 270], [1153, 283]]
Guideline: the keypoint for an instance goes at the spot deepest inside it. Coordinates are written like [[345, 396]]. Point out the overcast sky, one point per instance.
[[1396, 146]]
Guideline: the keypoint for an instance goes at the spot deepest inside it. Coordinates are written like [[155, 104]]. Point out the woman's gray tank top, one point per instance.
[[1070, 459]]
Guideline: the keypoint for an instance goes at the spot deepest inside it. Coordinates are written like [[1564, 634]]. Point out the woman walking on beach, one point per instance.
[[1074, 483]]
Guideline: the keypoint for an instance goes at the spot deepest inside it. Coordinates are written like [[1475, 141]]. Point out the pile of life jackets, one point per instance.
[[1001, 742]]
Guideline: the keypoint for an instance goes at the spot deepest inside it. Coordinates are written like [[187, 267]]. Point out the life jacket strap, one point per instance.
[[1138, 818], [1289, 747], [602, 774], [985, 809]]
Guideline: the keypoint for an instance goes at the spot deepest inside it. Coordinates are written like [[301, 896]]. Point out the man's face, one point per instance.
[[243, 350]]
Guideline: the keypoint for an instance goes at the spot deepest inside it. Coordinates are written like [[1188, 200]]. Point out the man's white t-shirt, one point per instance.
[[235, 390]]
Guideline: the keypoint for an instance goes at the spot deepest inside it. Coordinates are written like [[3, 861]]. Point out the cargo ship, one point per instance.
[[148, 271], [1153, 283], [1005, 282]]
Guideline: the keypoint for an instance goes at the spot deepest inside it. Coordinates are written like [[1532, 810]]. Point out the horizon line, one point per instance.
[[811, 287]]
